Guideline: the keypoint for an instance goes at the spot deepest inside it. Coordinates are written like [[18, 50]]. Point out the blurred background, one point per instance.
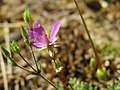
[[102, 18]]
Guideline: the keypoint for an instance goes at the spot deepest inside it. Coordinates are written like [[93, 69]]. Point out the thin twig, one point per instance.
[[3, 72], [65, 80], [91, 41], [7, 43], [25, 69], [26, 62]]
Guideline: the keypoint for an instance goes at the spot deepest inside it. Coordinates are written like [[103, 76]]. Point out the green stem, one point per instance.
[[91, 41], [26, 62], [31, 49], [22, 67], [25, 69]]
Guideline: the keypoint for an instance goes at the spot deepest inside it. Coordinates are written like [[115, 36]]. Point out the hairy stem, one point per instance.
[[26, 62], [22, 67], [91, 41], [65, 80], [25, 69], [31, 49]]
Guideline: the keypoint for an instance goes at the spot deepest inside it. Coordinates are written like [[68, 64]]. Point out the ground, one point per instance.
[[102, 18]]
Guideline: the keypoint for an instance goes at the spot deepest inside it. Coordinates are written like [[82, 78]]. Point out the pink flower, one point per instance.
[[39, 37]]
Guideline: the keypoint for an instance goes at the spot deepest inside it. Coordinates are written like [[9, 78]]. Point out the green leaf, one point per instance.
[[116, 86], [27, 42], [12, 62], [76, 85]]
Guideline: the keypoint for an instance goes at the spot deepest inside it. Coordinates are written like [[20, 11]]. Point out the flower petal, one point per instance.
[[35, 37], [39, 29], [54, 39], [39, 45], [32, 35], [55, 30]]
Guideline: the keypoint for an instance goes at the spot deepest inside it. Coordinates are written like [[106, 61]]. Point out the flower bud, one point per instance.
[[15, 47], [101, 73], [12, 62], [25, 36], [53, 64], [5, 51], [57, 65], [50, 51], [92, 63], [27, 16], [39, 67]]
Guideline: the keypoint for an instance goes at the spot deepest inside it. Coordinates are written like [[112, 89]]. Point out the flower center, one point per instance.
[[45, 35], [46, 39]]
